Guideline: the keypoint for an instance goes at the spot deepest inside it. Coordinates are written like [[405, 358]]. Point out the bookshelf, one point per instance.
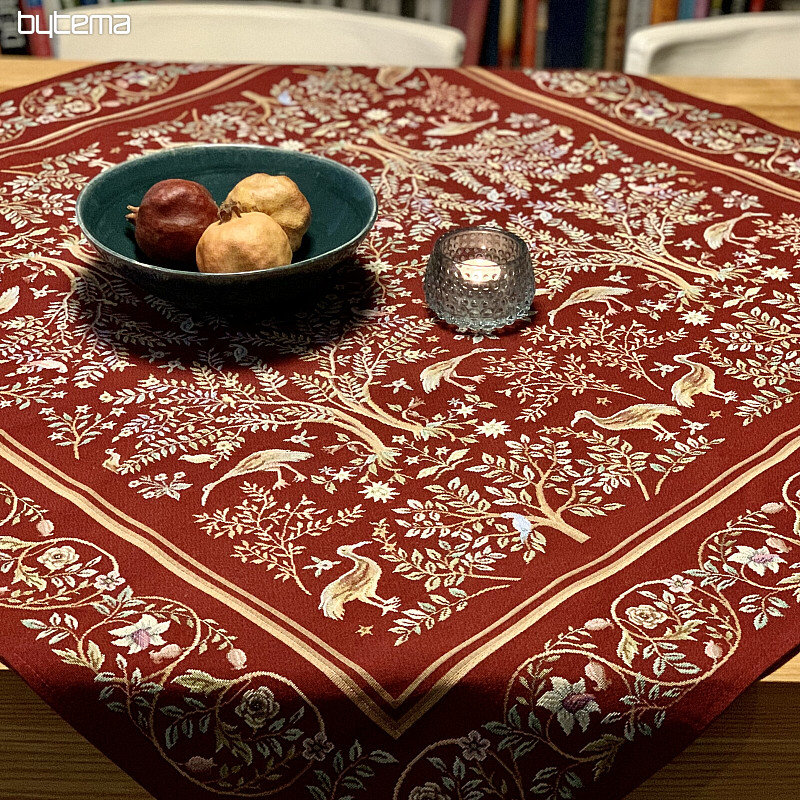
[[592, 34], [589, 34], [554, 34]]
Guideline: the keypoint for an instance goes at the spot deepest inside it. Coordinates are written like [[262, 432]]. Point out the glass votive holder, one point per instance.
[[479, 279]]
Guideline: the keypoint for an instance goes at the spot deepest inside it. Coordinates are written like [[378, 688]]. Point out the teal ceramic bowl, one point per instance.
[[343, 210]]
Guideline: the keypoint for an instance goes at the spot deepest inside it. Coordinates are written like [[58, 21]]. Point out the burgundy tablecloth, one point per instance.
[[346, 552]]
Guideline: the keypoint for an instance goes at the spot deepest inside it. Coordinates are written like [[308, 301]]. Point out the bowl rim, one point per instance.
[[220, 276]]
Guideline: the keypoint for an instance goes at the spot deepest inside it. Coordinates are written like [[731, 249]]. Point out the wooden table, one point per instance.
[[753, 749]]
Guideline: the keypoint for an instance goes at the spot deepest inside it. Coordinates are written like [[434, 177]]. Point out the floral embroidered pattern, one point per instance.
[[621, 98], [582, 706], [248, 735], [86, 94]]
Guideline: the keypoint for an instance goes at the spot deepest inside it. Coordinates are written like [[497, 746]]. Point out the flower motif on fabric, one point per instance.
[[320, 565], [167, 653], [645, 616], [236, 658], [109, 582], [379, 491], [713, 650], [598, 624], [647, 113], [141, 635], [58, 557], [258, 706], [679, 584], [570, 703], [596, 672], [473, 746], [136, 78], [776, 543], [759, 560], [316, 748], [428, 791], [697, 318], [198, 765], [493, 428]]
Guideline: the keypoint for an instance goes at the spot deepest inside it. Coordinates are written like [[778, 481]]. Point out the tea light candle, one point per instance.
[[479, 279], [479, 270]]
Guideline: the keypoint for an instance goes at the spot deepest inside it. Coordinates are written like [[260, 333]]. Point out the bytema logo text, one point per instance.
[[61, 24]]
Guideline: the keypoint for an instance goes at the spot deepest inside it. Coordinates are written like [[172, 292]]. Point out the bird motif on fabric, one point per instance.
[[113, 461], [522, 525], [458, 128], [49, 363], [445, 371], [594, 294], [199, 458], [358, 583], [699, 380], [389, 77], [262, 461], [641, 416], [720, 232]]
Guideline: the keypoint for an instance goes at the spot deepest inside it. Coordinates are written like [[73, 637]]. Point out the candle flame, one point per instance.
[[479, 270]]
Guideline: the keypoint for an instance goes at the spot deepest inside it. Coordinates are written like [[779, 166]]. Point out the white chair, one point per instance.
[[763, 45], [263, 33]]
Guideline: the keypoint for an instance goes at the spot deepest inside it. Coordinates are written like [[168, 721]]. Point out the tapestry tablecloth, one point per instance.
[[347, 552]]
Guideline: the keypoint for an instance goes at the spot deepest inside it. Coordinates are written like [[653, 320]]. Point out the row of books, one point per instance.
[[15, 42], [583, 33], [607, 24], [504, 33]]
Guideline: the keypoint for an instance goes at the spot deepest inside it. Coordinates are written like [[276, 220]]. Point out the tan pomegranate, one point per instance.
[[278, 196], [241, 242]]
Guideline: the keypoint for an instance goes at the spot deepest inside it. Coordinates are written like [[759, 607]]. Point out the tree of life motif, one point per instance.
[[641, 210], [538, 378], [216, 410], [623, 346], [268, 533], [541, 485], [762, 348]]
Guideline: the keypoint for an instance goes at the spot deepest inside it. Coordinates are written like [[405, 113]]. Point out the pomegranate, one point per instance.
[[242, 242], [171, 219]]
